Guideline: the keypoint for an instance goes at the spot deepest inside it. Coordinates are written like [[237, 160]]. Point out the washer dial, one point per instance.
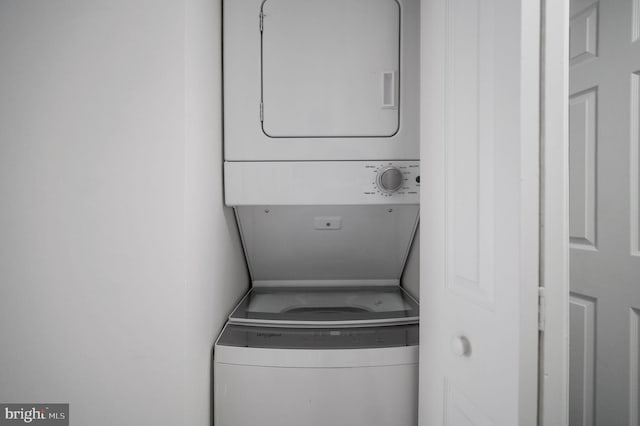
[[389, 179]]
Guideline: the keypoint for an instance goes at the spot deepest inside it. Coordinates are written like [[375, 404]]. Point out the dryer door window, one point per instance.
[[330, 68]]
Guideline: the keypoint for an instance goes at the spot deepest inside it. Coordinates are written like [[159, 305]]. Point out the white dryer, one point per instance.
[[321, 79]]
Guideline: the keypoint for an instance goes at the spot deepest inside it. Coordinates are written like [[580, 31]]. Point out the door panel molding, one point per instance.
[[635, 29], [584, 35], [582, 363], [634, 368], [583, 117], [469, 179], [634, 155]]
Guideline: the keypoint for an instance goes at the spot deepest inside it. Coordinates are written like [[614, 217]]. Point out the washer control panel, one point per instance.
[[394, 179], [322, 183]]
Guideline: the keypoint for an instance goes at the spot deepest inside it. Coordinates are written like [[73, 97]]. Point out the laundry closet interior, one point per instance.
[[321, 168]]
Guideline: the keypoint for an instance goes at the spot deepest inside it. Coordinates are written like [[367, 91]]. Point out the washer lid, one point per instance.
[[326, 306], [301, 245]]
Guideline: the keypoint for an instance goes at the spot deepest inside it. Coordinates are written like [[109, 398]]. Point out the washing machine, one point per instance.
[[321, 107], [326, 335], [319, 356]]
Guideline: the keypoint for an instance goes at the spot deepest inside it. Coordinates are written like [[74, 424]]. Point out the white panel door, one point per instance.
[[479, 254], [604, 113], [330, 68]]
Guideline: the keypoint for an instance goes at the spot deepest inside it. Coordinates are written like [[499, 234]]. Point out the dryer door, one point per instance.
[[330, 68]]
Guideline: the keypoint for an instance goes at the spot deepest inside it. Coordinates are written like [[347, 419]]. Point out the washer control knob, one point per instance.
[[389, 179]]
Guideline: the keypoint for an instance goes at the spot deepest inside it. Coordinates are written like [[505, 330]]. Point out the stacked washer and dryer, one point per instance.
[[321, 168]]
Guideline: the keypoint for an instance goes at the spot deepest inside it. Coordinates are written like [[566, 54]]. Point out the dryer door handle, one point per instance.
[[389, 92]]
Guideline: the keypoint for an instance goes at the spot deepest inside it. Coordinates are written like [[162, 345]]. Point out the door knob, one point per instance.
[[461, 346]]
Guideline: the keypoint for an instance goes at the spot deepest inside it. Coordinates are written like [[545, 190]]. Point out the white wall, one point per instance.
[[117, 261], [216, 272]]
